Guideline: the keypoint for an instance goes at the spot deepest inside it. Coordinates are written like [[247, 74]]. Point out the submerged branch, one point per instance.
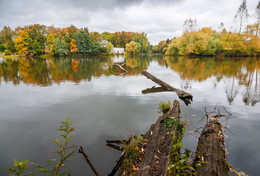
[[186, 97], [81, 150]]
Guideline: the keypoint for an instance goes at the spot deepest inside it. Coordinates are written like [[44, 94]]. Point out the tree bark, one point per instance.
[[211, 148], [156, 159]]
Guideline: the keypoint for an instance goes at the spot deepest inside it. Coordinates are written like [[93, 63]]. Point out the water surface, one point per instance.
[[105, 103]]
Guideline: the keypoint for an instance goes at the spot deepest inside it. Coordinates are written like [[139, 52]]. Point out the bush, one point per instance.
[[7, 52], [2, 48]]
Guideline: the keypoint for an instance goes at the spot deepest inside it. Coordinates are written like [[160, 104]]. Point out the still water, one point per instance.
[[104, 103]]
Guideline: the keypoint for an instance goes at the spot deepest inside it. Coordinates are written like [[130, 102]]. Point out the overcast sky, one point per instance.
[[160, 19]]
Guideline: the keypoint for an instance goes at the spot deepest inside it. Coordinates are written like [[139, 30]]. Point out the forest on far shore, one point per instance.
[[36, 39]]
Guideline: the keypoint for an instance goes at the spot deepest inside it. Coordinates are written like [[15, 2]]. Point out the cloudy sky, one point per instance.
[[160, 19]]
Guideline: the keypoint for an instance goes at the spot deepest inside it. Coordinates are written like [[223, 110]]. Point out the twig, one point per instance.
[[115, 147], [117, 141], [81, 150]]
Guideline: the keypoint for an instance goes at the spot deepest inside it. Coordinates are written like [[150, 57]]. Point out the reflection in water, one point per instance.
[[231, 89], [237, 73], [240, 75]]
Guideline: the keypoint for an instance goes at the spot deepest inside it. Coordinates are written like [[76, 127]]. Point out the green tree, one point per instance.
[[110, 37], [2, 48], [109, 47], [61, 47], [82, 41], [8, 35], [37, 34], [141, 38]]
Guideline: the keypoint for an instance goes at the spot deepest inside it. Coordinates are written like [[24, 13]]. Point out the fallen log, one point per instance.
[[211, 149], [186, 97], [158, 142]]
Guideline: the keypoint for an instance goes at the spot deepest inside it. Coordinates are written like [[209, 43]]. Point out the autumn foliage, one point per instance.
[[39, 39], [208, 42], [73, 46]]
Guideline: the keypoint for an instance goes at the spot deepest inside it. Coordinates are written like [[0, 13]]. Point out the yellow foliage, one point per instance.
[[22, 43]]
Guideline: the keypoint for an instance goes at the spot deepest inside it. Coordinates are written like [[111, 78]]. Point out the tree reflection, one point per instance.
[[238, 74], [231, 89]]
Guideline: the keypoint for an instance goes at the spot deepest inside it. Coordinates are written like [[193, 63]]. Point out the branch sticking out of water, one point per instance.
[[184, 96]]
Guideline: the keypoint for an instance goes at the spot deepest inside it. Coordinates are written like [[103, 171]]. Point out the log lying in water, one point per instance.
[[211, 148], [186, 97], [159, 141]]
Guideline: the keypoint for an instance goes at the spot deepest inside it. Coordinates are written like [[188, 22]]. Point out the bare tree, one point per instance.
[[221, 27], [241, 16], [190, 25], [257, 15]]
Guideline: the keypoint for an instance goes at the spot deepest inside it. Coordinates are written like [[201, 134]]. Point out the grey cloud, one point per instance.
[[160, 19]]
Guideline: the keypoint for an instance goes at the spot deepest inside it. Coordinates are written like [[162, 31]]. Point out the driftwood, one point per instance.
[[186, 97], [81, 150]]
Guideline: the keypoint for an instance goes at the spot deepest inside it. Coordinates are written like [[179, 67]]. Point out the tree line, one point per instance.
[[242, 39], [36, 39]]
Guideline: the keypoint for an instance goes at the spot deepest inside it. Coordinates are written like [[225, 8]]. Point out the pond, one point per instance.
[[104, 103]]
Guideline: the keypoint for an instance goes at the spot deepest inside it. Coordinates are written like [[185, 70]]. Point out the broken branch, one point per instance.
[[81, 150]]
